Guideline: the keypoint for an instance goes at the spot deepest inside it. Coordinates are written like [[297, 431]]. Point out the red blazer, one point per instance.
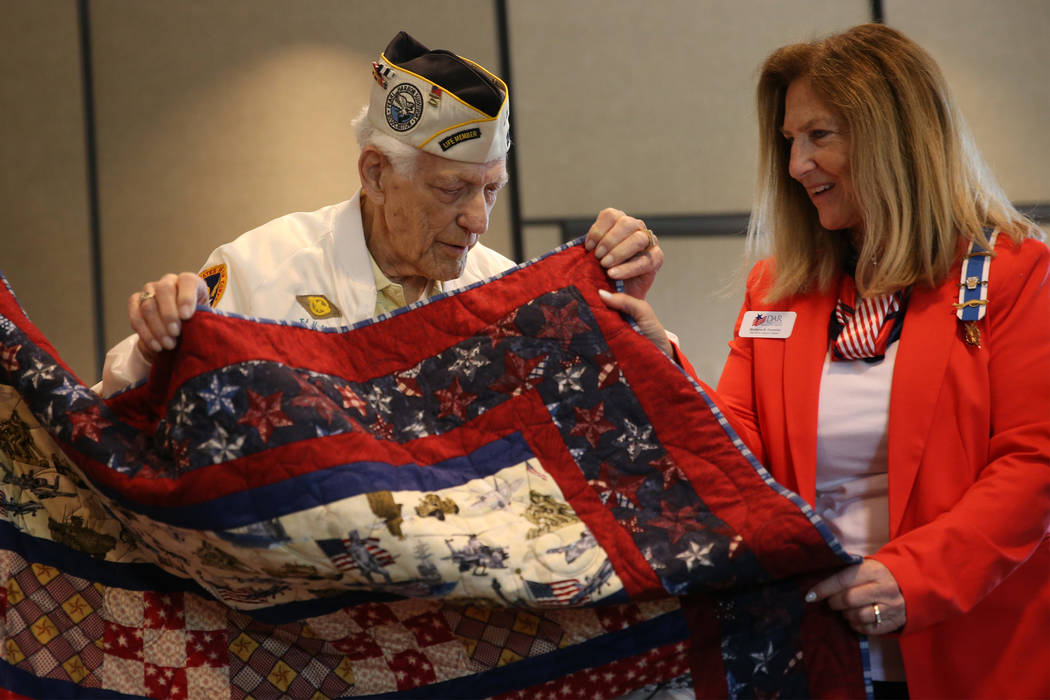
[[969, 466]]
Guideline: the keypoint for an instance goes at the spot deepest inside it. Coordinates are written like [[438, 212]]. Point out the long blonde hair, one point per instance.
[[922, 186]]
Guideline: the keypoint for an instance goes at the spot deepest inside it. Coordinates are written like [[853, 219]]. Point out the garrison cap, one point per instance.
[[439, 102]]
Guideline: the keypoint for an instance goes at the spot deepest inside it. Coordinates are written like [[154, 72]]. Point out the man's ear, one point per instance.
[[371, 166]]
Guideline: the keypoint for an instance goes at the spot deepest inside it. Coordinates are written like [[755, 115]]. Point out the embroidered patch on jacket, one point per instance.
[[215, 277], [460, 137], [318, 306]]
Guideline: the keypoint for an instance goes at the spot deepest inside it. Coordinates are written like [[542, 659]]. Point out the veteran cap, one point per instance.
[[439, 102]]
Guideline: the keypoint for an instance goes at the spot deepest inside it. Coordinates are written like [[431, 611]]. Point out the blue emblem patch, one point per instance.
[[404, 107]]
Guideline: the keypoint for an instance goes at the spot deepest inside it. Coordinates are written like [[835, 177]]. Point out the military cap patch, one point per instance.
[[460, 137], [381, 73], [404, 107], [215, 277]]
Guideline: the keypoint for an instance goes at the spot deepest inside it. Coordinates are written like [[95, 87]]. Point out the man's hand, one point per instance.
[[643, 315], [626, 249], [856, 590], [157, 312]]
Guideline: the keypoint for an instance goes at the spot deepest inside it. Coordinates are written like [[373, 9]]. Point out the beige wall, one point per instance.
[[44, 230], [996, 57], [647, 107], [213, 117]]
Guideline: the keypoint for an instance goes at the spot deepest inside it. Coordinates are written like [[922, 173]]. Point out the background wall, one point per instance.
[[45, 247], [213, 117]]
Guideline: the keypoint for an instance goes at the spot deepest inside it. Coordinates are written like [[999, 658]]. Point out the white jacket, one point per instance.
[[302, 254]]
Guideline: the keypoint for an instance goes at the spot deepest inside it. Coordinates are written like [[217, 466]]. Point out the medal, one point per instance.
[[971, 333], [973, 290]]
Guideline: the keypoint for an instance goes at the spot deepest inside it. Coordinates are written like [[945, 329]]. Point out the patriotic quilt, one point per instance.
[[504, 492]]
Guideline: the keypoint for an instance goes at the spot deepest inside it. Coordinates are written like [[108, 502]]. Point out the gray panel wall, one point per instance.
[[996, 57], [44, 231], [647, 105]]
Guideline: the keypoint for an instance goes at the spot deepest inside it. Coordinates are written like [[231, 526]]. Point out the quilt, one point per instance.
[[504, 492]]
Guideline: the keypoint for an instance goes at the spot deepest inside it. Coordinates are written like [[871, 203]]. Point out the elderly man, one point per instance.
[[434, 140]]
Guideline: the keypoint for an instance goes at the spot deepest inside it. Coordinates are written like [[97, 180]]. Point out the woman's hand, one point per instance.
[[626, 249], [857, 590], [643, 315]]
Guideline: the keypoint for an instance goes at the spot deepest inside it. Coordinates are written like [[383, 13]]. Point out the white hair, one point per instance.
[[401, 155]]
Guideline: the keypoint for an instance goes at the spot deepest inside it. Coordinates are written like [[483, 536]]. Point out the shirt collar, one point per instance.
[[393, 292]]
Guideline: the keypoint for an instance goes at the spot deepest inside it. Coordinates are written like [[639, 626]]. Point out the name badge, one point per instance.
[[767, 324]]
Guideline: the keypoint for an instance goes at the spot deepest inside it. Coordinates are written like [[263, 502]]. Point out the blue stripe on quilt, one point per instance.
[[31, 686], [132, 576], [336, 483], [148, 577]]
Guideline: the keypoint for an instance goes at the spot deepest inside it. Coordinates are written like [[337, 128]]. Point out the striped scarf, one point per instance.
[[863, 329]]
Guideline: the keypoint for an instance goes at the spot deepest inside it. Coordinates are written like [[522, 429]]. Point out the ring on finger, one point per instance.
[[652, 238], [146, 296], [878, 614]]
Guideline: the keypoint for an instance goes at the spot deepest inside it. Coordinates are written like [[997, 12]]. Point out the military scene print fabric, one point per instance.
[[497, 491]]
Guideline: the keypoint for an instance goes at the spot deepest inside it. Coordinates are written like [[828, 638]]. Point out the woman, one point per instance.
[[921, 437]]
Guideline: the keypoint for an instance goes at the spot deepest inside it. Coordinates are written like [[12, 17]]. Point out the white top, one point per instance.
[[852, 470], [306, 253]]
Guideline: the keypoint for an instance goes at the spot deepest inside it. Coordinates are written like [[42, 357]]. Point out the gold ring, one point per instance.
[[878, 614], [146, 296], [652, 238]]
